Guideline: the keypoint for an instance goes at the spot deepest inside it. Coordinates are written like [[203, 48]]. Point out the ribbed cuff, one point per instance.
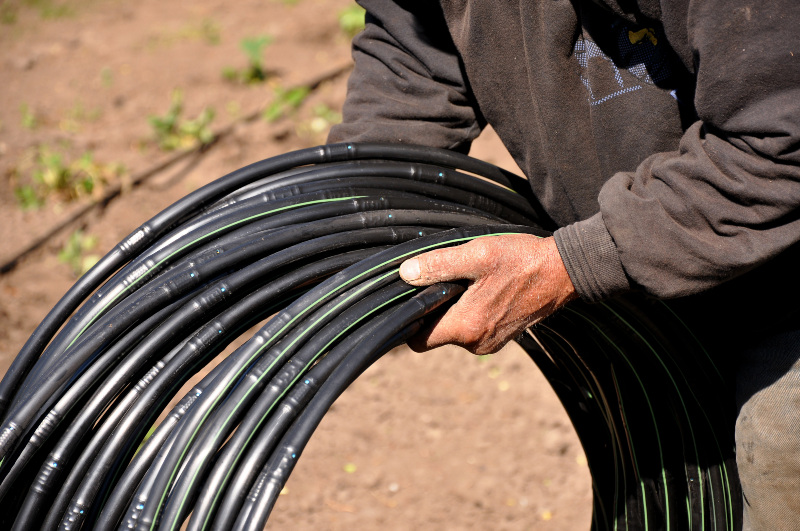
[[591, 259]]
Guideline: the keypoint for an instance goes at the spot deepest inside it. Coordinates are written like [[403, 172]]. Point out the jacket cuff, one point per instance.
[[591, 259]]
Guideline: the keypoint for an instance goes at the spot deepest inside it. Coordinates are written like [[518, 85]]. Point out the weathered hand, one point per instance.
[[515, 281]]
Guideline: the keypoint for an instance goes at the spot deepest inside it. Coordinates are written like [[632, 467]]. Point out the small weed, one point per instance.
[[230, 74], [315, 129], [351, 20], [48, 9], [324, 118], [68, 125], [92, 176], [28, 118], [77, 116], [51, 9], [8, 14], [253, 48], [106, 77], [208, 31], [27, 197], [174, 132], [51, 175], [75, 252], [234, 109], [286, 102]]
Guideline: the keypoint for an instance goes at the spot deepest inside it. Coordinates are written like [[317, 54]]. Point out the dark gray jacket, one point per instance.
[[662, 137]]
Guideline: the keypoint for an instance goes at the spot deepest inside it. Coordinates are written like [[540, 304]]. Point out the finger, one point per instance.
[[435, 334], [419, 342], [441, 333], [459, 325], [442, 265]]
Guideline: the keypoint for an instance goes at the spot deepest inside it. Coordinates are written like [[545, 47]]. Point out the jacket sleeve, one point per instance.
[[729, 199], [408, 84]]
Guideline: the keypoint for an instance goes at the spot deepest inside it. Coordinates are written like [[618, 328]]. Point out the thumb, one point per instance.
[[442, 265]]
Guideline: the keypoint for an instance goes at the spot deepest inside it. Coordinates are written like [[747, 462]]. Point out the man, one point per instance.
[[663, 142]]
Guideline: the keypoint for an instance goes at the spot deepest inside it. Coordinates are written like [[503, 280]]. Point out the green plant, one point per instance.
[[27, 197], [174, 132], [253, 48], [210, 32], [77, 116], [106, 77], [285, 102], [207, 30], [75, 252], [315, 129], [324, 118], [231, 74], [92, 175], [50, 9], [234, 109], [8, 14], [351, 20], [28, 119], [51, 175]]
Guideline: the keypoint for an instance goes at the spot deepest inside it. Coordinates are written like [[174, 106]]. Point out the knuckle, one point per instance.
[[472, 331], [482, 251]]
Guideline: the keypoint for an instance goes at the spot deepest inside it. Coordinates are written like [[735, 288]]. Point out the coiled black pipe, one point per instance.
[[316, 237], [147, 396], [393, 329], [193, 203]]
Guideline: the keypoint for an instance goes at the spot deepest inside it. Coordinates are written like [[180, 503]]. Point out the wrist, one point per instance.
[[591, 259]]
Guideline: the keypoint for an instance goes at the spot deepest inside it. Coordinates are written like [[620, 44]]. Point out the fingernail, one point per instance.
[[409, 270]]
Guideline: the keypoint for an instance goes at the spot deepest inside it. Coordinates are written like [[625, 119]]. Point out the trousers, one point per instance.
[[752, 324], [768, 430]]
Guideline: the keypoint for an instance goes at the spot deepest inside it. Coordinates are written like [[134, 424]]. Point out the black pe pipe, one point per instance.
[[644, 400]]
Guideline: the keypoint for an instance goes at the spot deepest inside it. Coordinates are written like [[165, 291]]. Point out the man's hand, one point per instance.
[[514, 282]]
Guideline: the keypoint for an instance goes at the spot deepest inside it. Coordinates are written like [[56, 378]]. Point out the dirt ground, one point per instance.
[[441, 440]]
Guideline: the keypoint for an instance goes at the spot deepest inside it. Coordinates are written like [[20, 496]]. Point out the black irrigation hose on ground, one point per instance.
[[314, 239]]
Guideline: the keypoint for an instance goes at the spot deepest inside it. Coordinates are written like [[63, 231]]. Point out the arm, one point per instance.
[[687, 221], [728, 200], [408, 84]]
